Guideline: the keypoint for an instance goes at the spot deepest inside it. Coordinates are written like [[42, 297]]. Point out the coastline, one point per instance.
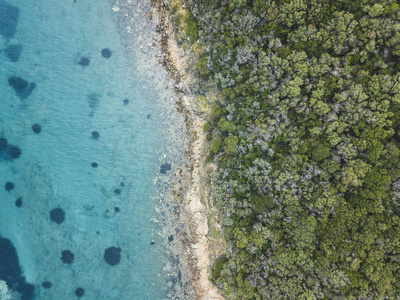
[[191, 193], [266, 143]]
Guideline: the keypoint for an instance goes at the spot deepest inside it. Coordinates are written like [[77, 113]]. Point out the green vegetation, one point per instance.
[[183, 20], [307, 143], [219, 263], [192, 28]]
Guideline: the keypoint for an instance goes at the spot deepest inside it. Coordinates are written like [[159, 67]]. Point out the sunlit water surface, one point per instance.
[[108, 142]]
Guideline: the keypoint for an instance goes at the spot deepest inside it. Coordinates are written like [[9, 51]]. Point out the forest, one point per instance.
[[306, 140]]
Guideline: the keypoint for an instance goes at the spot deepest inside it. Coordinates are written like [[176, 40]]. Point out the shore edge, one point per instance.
[[192, 194]]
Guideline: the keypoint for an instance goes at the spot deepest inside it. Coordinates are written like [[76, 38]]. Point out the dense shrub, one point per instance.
[[307, 145]]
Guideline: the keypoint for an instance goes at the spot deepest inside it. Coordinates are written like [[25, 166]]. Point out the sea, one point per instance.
[[90, 144]]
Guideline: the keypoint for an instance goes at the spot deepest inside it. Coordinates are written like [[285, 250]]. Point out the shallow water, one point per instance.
[[53, 74]]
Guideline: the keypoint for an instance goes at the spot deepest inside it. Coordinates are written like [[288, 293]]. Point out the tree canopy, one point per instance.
[[307, 143]]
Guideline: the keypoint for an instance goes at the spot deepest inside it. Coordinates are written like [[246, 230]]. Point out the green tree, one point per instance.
[[230, 144]]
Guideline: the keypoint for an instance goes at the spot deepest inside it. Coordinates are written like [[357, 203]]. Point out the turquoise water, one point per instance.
[[54, 48]]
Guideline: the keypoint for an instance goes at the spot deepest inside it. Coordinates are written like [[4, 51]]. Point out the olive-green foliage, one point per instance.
[[216, 144], [308, 147], [207, 126], [230, 144], [219, 263], [192, 28], [321, 151], [261, 203], [225, 125]]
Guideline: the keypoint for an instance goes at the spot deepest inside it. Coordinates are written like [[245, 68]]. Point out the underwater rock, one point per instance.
[[8, 19], [18, 202], [95, 165], [46, 284], [122, 184], [15, 152], [9, 186], [116, 209], [84, 61], [25, 289], [10, 270], [21, 87], [106, 53], [36, 128], [79, 292], [117, 191], [67, 257], [164, 168], [148, 116], [126, 101], [13, 52], [93, 101], [57, 215], [112, 255], [152, 243], [3, 143], [17, 83], [95, 135], [170, 238]]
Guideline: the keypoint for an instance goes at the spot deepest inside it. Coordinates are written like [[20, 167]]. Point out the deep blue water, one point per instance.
[[84, 137]]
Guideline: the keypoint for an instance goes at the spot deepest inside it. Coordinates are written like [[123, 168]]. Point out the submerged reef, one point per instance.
[[9, 186], [106, 53], [57, 215], [67, 257], [13, 52], [17, 83], [79, 292], [10, 270], [36, 128], [84, 61], [21, 87], [164, 168], [14, 152], [112, 255], [8, 151], [8, 19], [95, 134], [18, 202], [93, 100], [3, 143]]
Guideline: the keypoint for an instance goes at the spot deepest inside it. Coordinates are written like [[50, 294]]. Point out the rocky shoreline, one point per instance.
[[191, 191]]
